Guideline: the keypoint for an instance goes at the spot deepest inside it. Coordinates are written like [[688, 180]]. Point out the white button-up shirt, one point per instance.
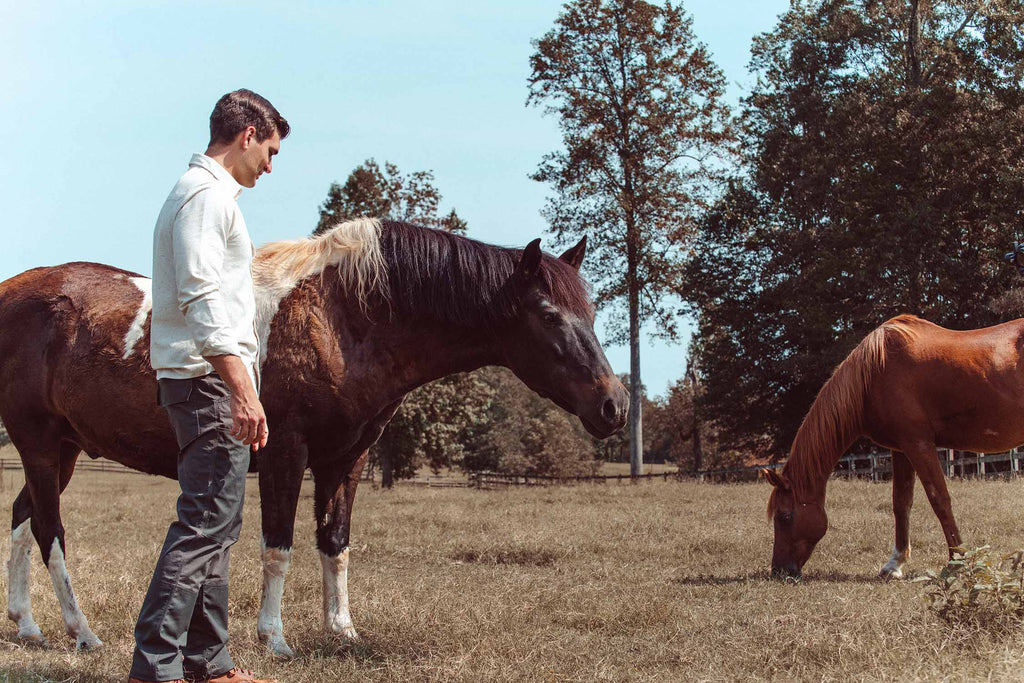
[[203, 300]]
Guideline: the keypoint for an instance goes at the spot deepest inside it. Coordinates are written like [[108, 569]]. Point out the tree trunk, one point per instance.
[[636, 441], [387, 470], [698, 447]]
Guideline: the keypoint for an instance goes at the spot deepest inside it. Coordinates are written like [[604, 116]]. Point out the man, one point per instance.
[[204, 349]]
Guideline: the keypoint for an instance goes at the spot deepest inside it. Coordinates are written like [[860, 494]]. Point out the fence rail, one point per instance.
[[873, 466]]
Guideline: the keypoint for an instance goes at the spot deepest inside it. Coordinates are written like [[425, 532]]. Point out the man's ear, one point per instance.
[[248, 136], [776, 479]]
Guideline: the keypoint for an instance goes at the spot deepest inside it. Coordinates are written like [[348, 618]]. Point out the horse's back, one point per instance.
[[965, 386]]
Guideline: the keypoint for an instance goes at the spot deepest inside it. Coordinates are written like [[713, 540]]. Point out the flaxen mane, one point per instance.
[[353, 248], [837, 411]]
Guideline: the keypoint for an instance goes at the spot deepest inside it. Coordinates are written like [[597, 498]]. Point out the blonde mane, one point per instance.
[[352, 247], [837, 413]]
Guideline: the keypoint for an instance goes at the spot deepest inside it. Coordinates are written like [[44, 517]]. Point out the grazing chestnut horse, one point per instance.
[[348, 324], [910, 386]]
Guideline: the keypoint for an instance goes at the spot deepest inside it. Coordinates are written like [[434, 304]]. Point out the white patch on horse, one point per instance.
[[269, 626], [19, 602], [894, 567], [138, 327], [75, 623], [353, 247], [337, 618]]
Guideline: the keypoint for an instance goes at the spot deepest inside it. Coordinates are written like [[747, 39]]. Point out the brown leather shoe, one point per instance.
[[237, 675]]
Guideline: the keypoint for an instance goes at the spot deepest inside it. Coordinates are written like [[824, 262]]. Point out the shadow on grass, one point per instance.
[[51, 672], [712, 580], [366, 650], [843, 577], [765, 576]]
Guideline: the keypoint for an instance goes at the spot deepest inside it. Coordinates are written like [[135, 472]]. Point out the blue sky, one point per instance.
[[104, 102]]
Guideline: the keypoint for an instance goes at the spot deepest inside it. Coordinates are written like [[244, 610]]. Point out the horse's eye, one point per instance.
[[551, 319], [786, 518]]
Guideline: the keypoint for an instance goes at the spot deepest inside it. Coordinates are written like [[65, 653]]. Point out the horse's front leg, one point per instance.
[[902, 500], [281, 472], [335, 492], [924, 461]]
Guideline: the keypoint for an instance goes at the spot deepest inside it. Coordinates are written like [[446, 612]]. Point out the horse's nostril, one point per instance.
[[609, 411]]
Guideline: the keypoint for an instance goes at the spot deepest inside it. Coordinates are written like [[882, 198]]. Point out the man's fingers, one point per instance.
[[262, 434], [245, 430], [252, 431]]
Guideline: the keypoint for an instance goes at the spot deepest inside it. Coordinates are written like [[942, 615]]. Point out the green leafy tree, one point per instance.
[[432, 426], [386, 193], [883, 166], [523, 433], [643, 122]]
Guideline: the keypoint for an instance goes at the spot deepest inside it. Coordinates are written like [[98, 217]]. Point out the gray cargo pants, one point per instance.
[[182, 629]]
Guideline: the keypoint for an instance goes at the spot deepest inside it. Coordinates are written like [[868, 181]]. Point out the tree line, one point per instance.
[[874, 169]]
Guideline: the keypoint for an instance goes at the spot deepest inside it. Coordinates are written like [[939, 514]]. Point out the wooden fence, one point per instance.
[[490, 480], [872, 466]]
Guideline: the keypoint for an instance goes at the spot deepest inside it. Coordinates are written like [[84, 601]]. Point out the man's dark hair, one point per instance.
[[240, 109]]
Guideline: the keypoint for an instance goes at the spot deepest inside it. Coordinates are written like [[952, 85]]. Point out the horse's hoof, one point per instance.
[[277, 646], [34, 640], [347, 632], [890, 573], [88, 643]]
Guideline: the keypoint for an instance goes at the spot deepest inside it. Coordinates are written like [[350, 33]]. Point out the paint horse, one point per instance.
[[348, 324], [910, 386]]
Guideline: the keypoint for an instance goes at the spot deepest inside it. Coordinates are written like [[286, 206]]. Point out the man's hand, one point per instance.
[[248, 421]]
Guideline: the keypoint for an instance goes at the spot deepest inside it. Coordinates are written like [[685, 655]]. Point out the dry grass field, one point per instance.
[[658, 581]]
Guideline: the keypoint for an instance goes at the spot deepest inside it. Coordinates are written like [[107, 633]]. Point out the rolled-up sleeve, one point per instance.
[[199, 239]]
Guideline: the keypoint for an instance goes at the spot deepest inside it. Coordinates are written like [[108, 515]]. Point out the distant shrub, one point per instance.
[[978, 588]]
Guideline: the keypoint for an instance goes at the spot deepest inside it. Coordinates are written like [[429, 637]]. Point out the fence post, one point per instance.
[[981, 464]]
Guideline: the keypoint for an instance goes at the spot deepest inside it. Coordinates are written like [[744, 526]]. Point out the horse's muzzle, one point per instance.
[[785, 571]]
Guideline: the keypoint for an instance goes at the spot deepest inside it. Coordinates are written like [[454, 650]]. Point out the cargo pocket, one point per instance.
[[173, 395]]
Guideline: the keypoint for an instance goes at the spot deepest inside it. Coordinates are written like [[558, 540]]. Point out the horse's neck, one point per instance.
[[426, 351], [398, 353], [811, 462]]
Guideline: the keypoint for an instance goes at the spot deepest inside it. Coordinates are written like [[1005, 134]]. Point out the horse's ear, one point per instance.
[[777, 480], [529, 264], [574, 255]]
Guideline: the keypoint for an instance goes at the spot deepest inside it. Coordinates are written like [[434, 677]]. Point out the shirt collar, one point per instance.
[[217, 171]]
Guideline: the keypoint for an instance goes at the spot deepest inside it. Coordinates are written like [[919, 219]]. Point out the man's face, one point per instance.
[[257, 157]]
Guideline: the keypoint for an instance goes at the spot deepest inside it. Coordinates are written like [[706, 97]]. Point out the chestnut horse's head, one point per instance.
[[799, 525], [551, 345]]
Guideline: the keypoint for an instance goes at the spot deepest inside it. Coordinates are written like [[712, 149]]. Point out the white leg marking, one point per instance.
[[269, 626], [19, 603], [893, 569], [74, 621], [138, 326], [337, 618]]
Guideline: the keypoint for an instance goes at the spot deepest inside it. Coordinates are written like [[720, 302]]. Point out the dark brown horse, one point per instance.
[[349, 323], [910, 386]]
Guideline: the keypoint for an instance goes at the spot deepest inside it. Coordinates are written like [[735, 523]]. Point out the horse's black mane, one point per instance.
[[465, 282]]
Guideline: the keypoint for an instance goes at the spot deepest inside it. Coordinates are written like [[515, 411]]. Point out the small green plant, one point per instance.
[[978, 588]]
